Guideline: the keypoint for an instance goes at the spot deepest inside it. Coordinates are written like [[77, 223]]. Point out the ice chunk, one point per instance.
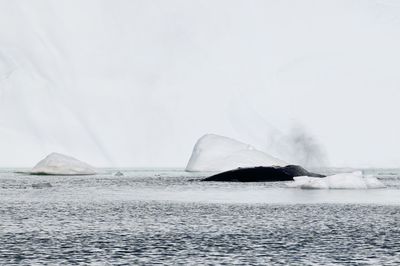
[[299, 181], [218, 153], [119, 173], [354, 180], [373, 182], [60, 164]]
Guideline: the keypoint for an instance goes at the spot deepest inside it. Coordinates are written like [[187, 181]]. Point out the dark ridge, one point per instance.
[[262, 174]]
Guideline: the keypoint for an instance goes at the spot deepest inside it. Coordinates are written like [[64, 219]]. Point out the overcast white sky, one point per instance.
[[136, 83]]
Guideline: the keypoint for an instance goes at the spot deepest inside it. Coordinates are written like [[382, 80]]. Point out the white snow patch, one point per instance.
[[218, 153], [354, 180], [60, 164]]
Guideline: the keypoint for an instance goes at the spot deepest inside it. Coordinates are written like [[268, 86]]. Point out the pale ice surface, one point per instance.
[[91, 67], [354, 180], [60, 164], [102, 79], [218, 153]]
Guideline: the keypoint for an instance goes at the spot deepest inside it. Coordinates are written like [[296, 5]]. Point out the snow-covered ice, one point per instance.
[[60, 164], [218, 153], [354, 180]]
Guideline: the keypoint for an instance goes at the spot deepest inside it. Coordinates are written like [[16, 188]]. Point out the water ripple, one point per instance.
[[191, 233]]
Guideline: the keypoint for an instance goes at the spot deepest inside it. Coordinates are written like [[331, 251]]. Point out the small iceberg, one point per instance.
[[354, 180], [119, 173], [60, 164], [216, 153]]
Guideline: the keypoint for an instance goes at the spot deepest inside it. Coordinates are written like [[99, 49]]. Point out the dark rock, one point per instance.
[[262, 174], [41, 185]]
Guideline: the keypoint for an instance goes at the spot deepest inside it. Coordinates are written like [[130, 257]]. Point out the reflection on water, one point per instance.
[[149, 217]]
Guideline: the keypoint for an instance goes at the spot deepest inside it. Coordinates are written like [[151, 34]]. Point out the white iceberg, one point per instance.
[[60, 164], [354, 180], [218, 153]]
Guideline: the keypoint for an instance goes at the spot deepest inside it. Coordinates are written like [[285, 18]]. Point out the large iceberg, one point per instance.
[[218, 153], [354, 180], [60, 164]]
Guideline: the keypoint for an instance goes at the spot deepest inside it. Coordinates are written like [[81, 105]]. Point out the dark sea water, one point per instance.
[[167, 217]]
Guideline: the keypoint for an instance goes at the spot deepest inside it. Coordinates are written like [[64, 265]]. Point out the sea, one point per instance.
[[170, 217]]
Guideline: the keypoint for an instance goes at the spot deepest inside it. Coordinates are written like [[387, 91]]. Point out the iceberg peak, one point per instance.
[[219, 153]]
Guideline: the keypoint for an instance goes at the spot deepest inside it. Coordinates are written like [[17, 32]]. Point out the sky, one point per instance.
[[136, 83]]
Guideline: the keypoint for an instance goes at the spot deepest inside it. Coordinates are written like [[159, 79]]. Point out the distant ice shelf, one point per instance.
[[60, 164], [354, 180], [218, 153]]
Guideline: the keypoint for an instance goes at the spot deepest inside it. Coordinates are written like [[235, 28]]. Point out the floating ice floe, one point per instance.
[[218, 153], [355, 180], [60, 164]]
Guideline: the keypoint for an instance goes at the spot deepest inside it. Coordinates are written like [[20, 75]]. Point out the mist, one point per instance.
[[306, 150]]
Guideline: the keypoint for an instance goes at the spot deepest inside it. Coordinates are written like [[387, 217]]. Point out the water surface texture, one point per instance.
[[169, 217]]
